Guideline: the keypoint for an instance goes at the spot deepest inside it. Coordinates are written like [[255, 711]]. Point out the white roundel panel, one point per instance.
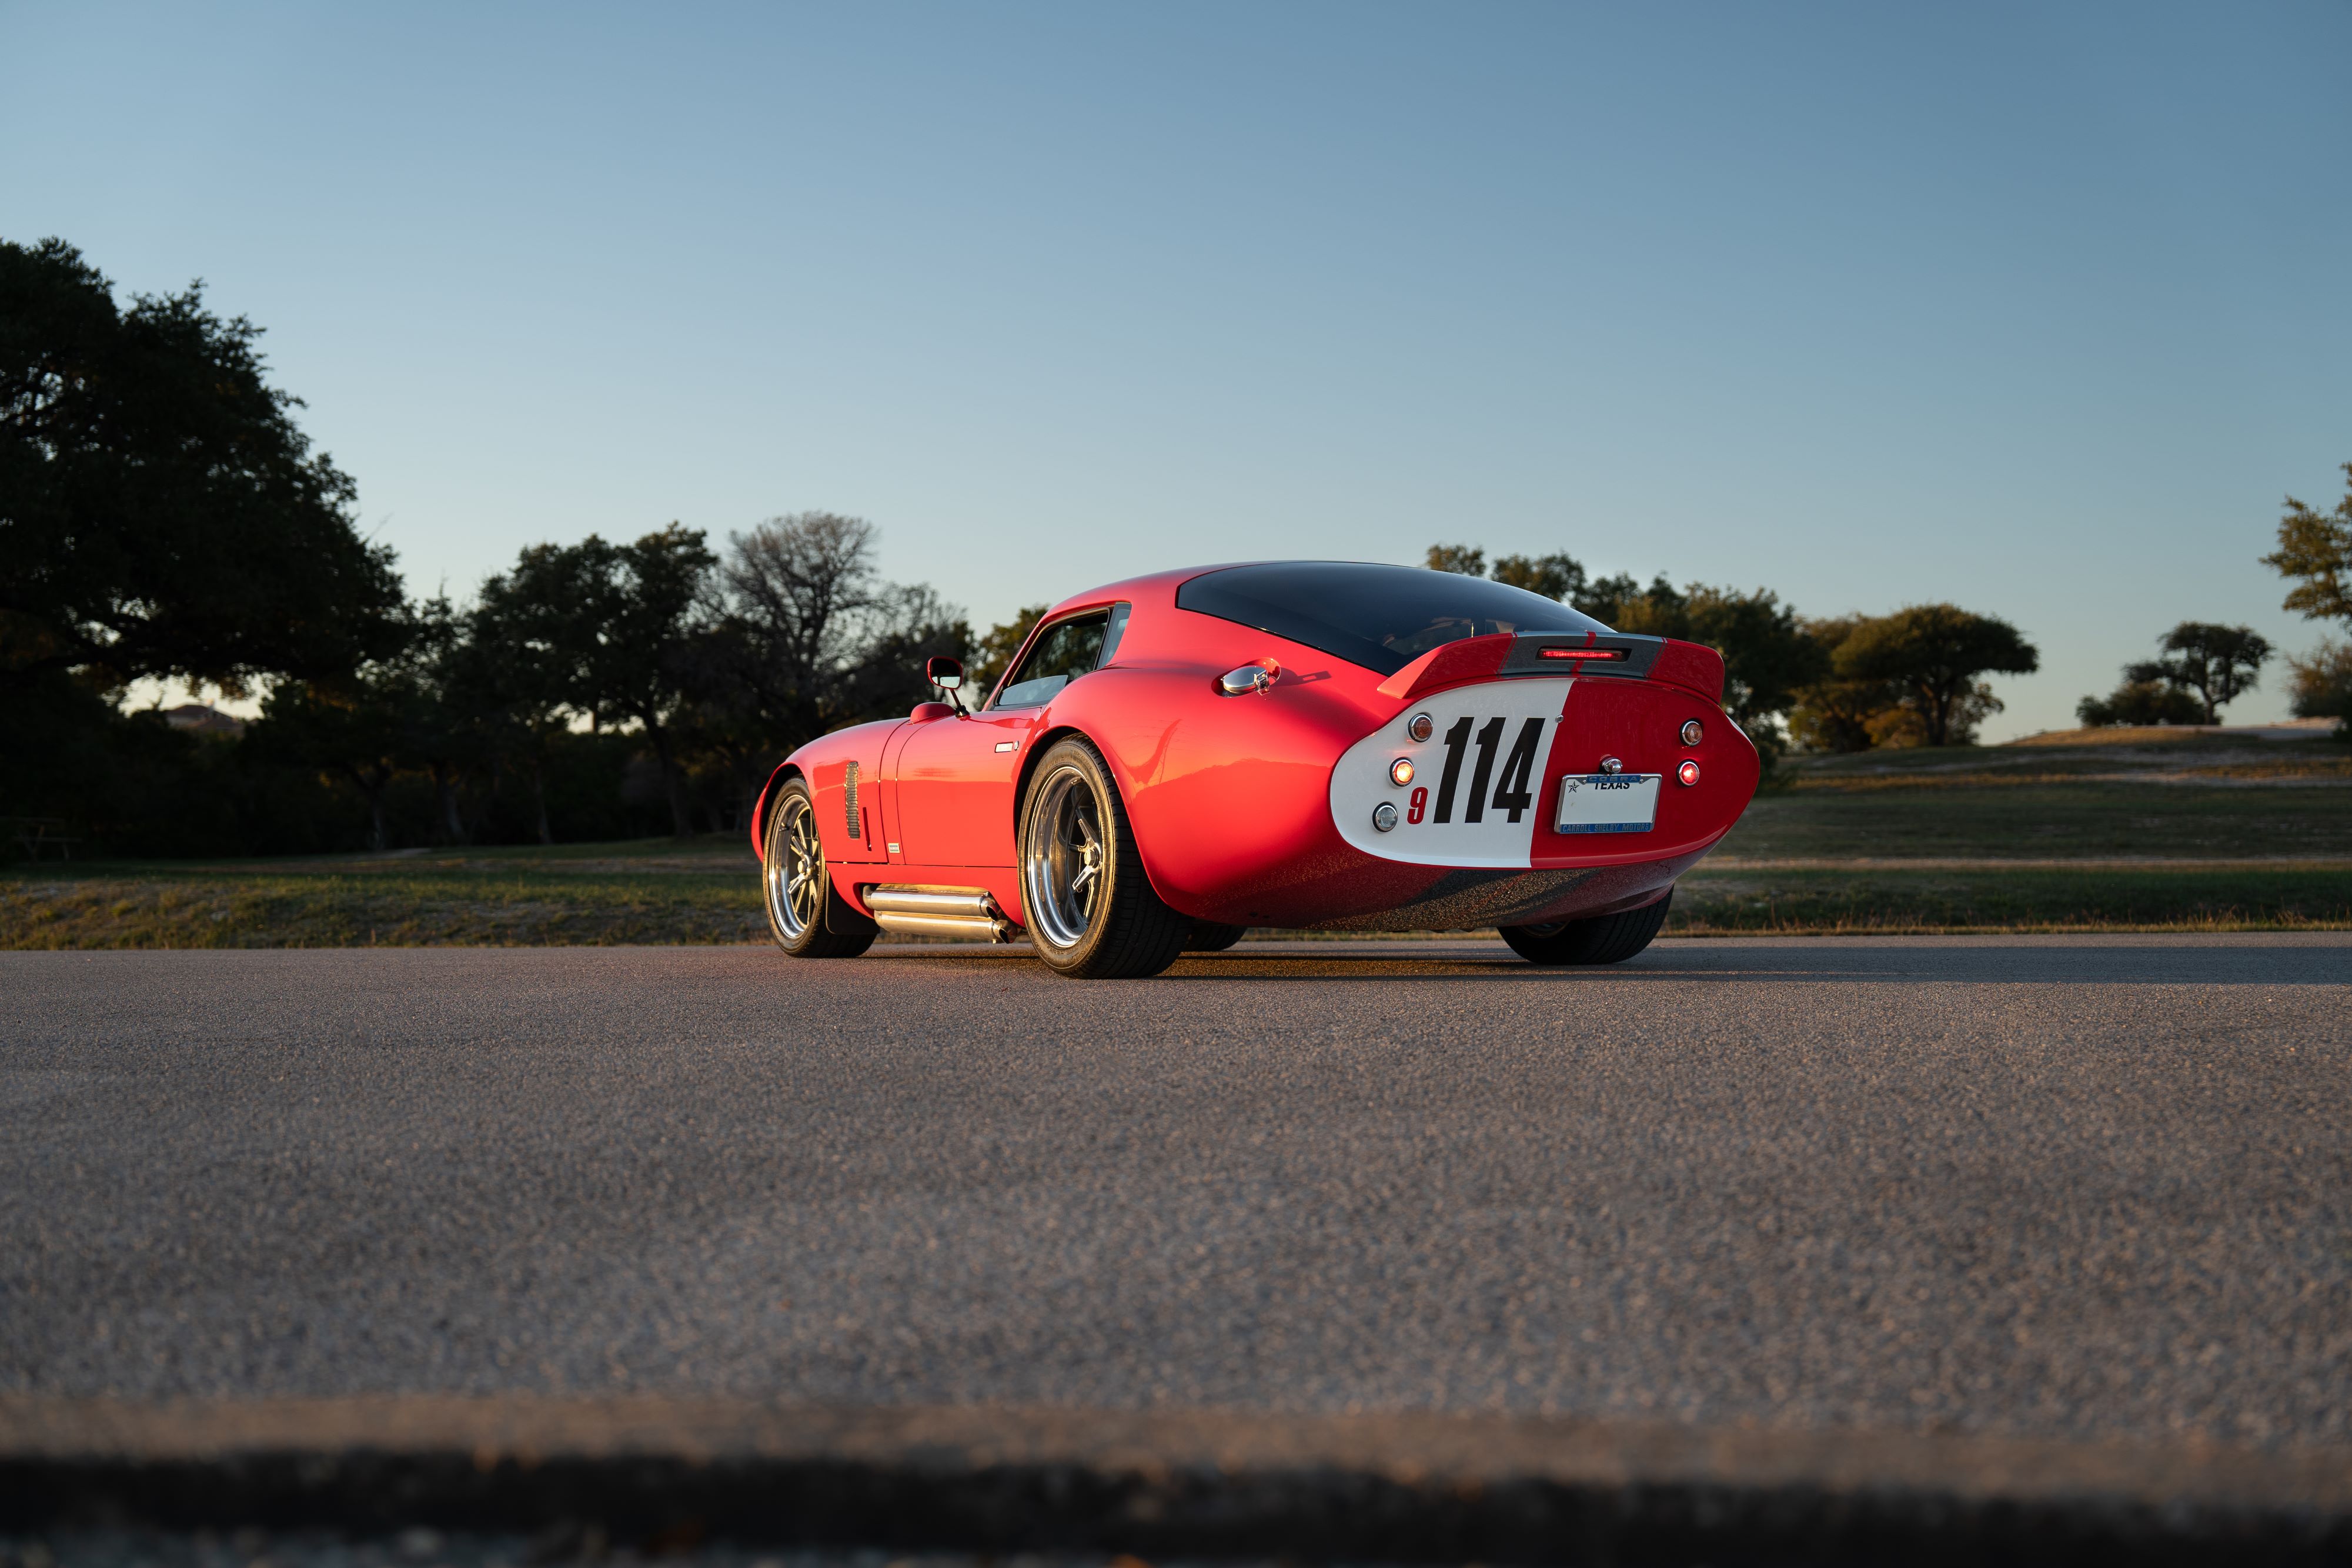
[[1477, 784]]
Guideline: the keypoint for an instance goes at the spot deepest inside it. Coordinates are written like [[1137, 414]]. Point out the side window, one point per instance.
[[1068, 649]]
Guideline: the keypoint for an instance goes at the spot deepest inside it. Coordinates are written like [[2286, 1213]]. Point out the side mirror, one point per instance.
[[948, 676]]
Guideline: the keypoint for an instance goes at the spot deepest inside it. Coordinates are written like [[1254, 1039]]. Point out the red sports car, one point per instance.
[[1329, 745]]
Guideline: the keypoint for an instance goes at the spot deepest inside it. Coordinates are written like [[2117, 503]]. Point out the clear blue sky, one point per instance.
[[2039, 309]]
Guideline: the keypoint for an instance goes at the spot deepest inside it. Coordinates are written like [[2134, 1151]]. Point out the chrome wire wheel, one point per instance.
[[1067, 870], [1088, 902], [794, 874]]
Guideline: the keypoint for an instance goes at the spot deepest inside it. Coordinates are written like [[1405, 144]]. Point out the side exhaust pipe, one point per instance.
[[969, 912]]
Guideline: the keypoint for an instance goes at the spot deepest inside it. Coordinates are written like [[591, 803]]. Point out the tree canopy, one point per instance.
[[1555, 576], [1934, 654], [2321, 685], [2145, 695], [2219, 663], [2204, 668], [2315, 550], [610, 630], [810, 637], [161, 514]]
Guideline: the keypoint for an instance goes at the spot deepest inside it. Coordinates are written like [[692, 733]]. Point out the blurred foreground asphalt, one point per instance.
[[2067, 1188]]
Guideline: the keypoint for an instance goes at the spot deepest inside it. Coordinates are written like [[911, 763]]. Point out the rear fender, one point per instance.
[[1130, 771], [1224, 791]]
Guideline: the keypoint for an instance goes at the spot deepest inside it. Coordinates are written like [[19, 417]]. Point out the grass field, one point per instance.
[[654, 890], [2138, 831]]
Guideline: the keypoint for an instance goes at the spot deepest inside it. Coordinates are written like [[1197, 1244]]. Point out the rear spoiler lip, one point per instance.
[[1506, 655]]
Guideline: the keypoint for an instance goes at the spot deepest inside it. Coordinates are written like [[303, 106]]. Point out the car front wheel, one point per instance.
[[1091, 911], [1603, 939], [807, 918]]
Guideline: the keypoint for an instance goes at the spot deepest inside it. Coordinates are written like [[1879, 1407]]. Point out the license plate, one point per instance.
[[1607, 802]]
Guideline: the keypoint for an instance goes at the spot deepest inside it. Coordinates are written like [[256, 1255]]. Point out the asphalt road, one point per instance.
[[2024, 1187]]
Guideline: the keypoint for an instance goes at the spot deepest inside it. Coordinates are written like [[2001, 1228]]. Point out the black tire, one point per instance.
[[805, 915], [1092, 913], [1603, 939], [1208, 936]]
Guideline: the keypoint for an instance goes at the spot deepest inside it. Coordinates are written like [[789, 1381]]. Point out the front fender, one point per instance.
[[844, 771], [788, 769]]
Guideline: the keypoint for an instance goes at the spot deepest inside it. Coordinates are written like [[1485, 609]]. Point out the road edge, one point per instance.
[[1400, 1487]]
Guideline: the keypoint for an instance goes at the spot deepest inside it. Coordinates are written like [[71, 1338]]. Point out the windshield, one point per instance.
[[1381, 617]]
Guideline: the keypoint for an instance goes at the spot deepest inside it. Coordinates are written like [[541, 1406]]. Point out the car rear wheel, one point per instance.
[[808, 919], [1603, 939], [1208, 936], [1091, 911]]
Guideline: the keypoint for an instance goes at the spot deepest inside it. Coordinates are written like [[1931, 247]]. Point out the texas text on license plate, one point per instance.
[[1607, 802]]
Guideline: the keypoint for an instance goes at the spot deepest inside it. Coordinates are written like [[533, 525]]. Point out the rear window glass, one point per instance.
[[1381, 617]]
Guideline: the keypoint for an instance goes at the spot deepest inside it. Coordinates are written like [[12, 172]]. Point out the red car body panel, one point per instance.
[[1232, 798]]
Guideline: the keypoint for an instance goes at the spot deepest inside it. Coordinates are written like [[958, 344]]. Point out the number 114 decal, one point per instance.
[[1512, 796]]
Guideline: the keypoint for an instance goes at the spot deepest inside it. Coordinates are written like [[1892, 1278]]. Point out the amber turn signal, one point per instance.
[[1691, 731], [1401, 772]]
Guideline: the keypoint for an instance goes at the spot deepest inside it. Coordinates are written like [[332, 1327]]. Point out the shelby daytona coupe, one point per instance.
[[1336, 746]]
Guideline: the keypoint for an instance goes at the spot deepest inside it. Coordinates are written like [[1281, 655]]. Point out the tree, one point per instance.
[[361, 726], [159, 512], [2148, 694], [2219, 663], [1555, 576], [1841, 713], [1623, 603], [805, 636], [811, 637], [513, 689], [448, 723], [2323, 685], [1934, 654], [613, 628], [2316, 549]]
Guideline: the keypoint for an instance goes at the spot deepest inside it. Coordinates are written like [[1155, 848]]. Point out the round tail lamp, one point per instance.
[[1401, 772], [1688, 773]]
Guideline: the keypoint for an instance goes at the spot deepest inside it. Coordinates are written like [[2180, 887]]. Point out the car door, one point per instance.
[[955, 774]]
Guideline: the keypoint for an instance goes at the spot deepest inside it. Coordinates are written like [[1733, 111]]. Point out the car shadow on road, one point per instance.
[[2317, 958]]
